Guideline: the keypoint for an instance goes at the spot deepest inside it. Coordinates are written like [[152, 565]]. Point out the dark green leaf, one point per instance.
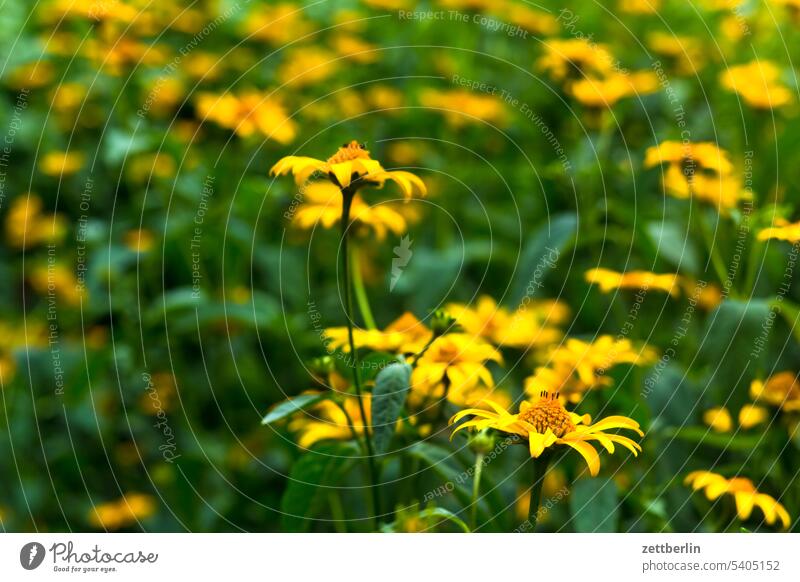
[[594, 505], [388, 398], [674, 245], [290, 406]]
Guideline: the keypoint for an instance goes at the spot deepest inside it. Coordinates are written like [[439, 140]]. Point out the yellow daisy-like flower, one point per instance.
[[278, 25], [454, 366], [322, 205], [350, 166], [461, 107], [751, 415], [702, 155], [355, 49], [781, 390], [61, 163], [719, 419], [534, 21], [724, 191], [575, 59], [577, 366], [531, 325], [758, 83], [248, 113], [605, 92], [327, 421], [545, 423], [781, 229], [684, 51], [406, 335], [640, 6], [609, 280], [744, 493], [124, 512]]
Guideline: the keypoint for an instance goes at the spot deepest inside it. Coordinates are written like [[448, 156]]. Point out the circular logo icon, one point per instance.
[[31, 555]]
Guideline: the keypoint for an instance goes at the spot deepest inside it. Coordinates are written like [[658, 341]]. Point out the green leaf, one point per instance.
[[541, 254], [310, 480], [290, 406], [674, 245], [594, 505], [388, 398]]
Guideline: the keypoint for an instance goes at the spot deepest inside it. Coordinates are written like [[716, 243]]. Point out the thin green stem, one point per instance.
[[476, 488], [716, 258], [752, 265], [347, 201], [337, 512], [540, 466], [358, 286]]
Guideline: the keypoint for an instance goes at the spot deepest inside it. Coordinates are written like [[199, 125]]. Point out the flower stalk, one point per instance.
[[540, 466]]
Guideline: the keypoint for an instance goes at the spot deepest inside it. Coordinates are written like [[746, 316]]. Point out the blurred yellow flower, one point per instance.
[[143, 167], [351, 164], [160, 394], [534, 324], [534, 21], [247, 113], [575, 59], [387, 4], [454, 367], [406, 334], [355, 49], [384, 97], [124, 512], [278, 25], [781, 229], [576, 366], [751, 415], [322, 206], [544, 423], [26, 227], [91, 10], [56, 278], [609, 280], [708, 295], [605, 92], [702, 155], [67, 97], [31, 75], [744, 493], [719, 419], [139, 241], [684, 51], [461, 107], [781, 390], [61, 163], [327, 421], [640, 6], [307, 66], [758, 83]]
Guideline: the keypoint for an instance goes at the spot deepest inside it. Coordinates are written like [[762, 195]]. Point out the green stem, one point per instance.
[[337, 512], [476, 488], [540, 466], [347, 201], [752, 260], [358, 286], [716, 259]]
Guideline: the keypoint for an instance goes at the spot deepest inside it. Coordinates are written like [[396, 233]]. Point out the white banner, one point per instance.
[[390, 557]]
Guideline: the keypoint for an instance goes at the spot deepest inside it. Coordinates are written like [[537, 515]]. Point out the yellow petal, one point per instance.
[[589, 454]]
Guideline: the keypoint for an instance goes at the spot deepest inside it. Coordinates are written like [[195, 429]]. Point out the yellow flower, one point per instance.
[[782, 229], [751, 415], [59, 279], [708, 295], [781, 390], [247, 113], [278, 25], [406, 334], [719, 419], [640, 6], [609, 280], [723, 191], [26, 227], [575, 58], [702, 155], [322, 205], [545, 423], [388, 4], [536, 22], [758, 83], [327, 421], [744, 493], [530, 325], [355, 49], [384, 97], [686, 52], [606, 91], [350, 165], [462, 107], [67, 97], [307, 66], [453, 367], [92, 10], [139, 241], [123, 512], [61, 163], [577, 366]]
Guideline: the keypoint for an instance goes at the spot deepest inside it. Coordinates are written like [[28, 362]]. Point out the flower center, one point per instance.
[[348, 152], [546, 413]]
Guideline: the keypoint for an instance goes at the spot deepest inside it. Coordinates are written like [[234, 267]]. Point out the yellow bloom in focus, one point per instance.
[[609, 280], [545, 423], [278, 25], [781, 390], [577, 366], [719, 419], [322, 205], [124, 512], [533, 324], [406, 335], [306, 66], [350, 166], [26, 227], [327, 421], [607, 91], [139, 241], [758, 83], [61, 163], [744, 493], [782, 229], [461, 107], [751, 415], [454, 367], [247, 113], [575, 59]]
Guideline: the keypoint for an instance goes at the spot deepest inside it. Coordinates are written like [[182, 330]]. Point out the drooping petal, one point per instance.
[[588, 452], [744, 505], [343, 172], [537, 442]]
